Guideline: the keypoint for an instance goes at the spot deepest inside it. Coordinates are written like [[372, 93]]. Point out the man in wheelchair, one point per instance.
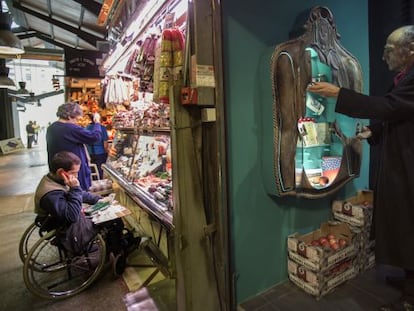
[[71, 251], [58, 205], [58, 201]]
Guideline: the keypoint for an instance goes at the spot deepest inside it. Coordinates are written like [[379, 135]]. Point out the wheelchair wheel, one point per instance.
[[50, 272], [28, 239]]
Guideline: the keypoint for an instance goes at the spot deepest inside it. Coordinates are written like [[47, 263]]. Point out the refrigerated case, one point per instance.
[[140, 169], [141, 163]]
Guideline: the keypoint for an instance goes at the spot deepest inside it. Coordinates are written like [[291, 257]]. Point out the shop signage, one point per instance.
[[82, 64]]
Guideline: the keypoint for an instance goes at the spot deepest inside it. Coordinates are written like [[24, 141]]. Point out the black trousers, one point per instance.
[[30, 140], [99, 159]]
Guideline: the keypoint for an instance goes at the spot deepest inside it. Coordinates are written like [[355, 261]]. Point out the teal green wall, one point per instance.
[[260, 224]]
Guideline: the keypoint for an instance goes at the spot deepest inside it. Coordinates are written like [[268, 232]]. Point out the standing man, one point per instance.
[[393, 225], [30, 132], [36, 128]]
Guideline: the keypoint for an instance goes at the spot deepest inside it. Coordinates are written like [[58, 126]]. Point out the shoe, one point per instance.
[[396, 281], [405, 303]]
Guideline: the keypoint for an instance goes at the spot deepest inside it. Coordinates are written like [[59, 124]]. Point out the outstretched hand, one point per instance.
[[324, 89], [96, 118], [365, 133]]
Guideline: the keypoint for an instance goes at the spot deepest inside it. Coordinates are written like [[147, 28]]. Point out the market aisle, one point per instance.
[[20, 171]]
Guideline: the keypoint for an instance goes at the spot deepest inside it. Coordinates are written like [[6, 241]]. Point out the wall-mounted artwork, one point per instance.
[[315, 149]]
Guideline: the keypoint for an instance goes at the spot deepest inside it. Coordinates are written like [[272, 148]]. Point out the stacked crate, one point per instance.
[[318, 269], [357, 211]]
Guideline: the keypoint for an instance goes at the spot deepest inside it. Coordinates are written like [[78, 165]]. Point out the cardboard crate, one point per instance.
[[319, 278], [319, 284], [365, 247], [369, 260], [362, 237], [318, 258], [356, 211]]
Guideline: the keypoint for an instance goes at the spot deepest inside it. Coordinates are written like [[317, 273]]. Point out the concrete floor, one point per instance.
[[20, 173]]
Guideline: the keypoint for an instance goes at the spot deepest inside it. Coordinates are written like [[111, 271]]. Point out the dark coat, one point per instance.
[[63, 204], [394, 187]]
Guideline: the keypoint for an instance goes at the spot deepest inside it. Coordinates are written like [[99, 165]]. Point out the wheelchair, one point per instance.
[[31, 235], [28, 239], [52, 272]]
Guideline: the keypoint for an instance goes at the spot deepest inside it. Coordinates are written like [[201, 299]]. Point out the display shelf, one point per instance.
[[81, 90], [140, 162], [144, 130], [142, 198], [122, 152]]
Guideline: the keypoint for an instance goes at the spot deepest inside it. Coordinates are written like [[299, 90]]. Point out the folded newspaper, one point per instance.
[[110, 212], [105, 209]]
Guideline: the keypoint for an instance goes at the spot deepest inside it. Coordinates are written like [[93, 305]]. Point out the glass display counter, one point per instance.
[[139, 165]]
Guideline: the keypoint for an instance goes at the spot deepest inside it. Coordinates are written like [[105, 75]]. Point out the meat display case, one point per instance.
[[140, 162]]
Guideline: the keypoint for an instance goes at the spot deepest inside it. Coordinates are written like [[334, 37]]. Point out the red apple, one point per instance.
[[331, 236], [325, 243], [342, 242], [315, 243], [322, 240], [335, 246], [333, 241]]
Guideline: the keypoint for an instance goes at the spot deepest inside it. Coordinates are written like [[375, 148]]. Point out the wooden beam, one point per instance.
[[39, 54], [202, 43]]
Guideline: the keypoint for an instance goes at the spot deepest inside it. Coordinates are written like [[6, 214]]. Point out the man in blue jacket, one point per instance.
[[59, 198]]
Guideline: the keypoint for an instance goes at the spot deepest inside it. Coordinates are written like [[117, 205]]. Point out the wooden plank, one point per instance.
[[196, 284], [202, 54]]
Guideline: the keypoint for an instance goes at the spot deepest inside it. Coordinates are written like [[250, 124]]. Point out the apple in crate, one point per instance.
[[315, 243]]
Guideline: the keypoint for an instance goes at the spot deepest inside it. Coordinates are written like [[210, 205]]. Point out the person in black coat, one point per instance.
[[30, 131], [393, 225]]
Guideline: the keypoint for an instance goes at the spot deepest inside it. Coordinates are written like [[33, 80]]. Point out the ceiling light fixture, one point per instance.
[[9, 43], [5, 81], [22, 84], [22, 89]]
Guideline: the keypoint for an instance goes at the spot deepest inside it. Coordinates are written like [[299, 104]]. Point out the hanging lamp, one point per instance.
[[22, 84], [5, 81], [9, 43]]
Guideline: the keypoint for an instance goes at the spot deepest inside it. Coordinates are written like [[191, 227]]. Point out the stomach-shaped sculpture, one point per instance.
[[326, 154]]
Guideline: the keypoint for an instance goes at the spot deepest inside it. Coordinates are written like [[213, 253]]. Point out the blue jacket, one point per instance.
[[70, 137], [64, 204], [97, 147]]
